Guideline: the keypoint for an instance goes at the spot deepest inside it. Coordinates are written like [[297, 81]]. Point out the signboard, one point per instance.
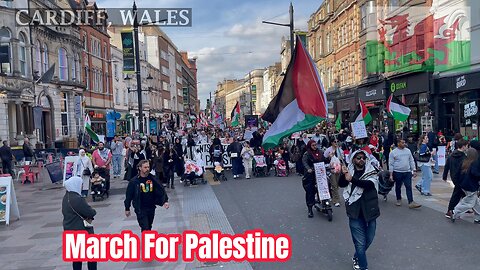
[[251, 121], [470, 109], [78, 107], [322, 182], [206, 158], [153, 126], [359, 130], [68, 167], [128, 53], [8, 200], [55, 171], [442, 151]]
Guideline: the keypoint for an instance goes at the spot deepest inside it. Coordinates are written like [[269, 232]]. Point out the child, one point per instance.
[[280, 166], [98, 183], [217, 171]]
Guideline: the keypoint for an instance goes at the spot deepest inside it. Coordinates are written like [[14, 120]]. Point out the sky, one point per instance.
[[228, 36]]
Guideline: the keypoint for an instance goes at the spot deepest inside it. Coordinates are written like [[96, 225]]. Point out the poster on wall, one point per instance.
[[68, 167], [8, 200]]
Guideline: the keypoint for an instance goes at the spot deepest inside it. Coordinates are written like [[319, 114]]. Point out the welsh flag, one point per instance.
[[88, 128], [363, 114], [397, 109], [235, 115], [301, 102], [435, 38]]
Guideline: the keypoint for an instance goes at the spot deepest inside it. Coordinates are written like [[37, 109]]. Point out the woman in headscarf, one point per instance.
[[83, 168], [180, 162], [312, 155], [77, 213]]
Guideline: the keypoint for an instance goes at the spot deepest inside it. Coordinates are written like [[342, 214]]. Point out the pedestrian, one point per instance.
[[388, 141], [101, 160], [169, 157], [402, 168], [158, 164], [180, 161], [247, 156], [7, 158], [470, 173], [454, 166], [425, 163], [360, 181], [311, 156], [27, 150], [83, 168], [77, 214], [145, 193], [117, 147], [331, 152], [234, 150], [433, 147], [216, 151]]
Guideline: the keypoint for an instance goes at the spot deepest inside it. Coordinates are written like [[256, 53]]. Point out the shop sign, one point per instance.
[[371, 93], [461, 81], [470, 109], [397, 86], [96, 115]]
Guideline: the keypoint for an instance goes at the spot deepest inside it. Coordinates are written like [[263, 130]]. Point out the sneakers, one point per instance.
[[428, 194], [355, 264], [93, 192], [449, 214], [398, 203], [337, 204], [476, 221], [414, 205], [419, 188]]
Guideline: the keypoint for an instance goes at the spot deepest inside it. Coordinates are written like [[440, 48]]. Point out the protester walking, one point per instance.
[[402, 168], [169, 157], [234, 150], [117, 147], [27, 150], [360, 181], [311, 156], [145, 193], [433, 147], [454, 166], [336, 155], [425, 163], [247, 157], [83, 168], [77, 214], [101, 160], [158, 164]]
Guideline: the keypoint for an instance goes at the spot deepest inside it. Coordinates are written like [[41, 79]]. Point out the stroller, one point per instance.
[[280, 167], [260, 166], [192, 172], [384, 183], [98, 188], [219, 172]]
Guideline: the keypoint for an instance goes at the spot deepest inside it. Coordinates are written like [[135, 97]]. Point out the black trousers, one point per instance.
[[145, 219], [90, 265], [308, 183], [457, 195], [7, 167]]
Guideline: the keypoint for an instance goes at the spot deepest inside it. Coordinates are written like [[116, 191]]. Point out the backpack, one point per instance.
[[217, 151]]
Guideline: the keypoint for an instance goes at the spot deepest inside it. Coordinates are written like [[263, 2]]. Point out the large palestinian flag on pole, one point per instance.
[[89, 130], [397, 109], [301, 102], [420, 38], [235, 115], [363, 114]]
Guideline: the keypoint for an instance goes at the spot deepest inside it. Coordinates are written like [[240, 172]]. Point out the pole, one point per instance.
[[250, 86], [137, 70], [291, 30]]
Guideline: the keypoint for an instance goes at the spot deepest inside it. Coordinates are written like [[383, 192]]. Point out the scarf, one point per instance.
[[370, 174], [74, 184], [103, 154], [316, 154]]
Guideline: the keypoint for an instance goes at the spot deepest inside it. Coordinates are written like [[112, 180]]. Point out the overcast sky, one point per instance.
[[227, 36]]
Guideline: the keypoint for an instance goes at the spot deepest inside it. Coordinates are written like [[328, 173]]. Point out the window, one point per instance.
[[164, 70], [125, 97], [38, 57], [163, 54], [107, 83], [5, 51], [77, 63], [179, 80], [328, 6], [115, 70], [85, 46], [117, 96], [45, 58], [363, 11], [353, 66], [179, 67], [74, 68], [164, 86], [64, 113], [87, 79], [352, 25], [328, 42], [62, 65], [105, 55], [22, 54]]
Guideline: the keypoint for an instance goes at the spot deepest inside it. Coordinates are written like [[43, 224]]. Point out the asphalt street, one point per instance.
[[405, 239]]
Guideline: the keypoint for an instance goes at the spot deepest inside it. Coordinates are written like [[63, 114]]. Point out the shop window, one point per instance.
[[5, 51], [22, 54]]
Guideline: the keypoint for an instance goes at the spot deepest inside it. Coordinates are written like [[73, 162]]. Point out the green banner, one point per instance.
[[128, 53]]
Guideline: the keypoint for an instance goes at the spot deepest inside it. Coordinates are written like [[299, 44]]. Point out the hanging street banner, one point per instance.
[[128, 53], [431, 39]]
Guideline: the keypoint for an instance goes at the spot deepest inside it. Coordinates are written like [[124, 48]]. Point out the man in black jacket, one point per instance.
[[454, 165], [145, 193], [27, 150], [7, 158], [360, 181]]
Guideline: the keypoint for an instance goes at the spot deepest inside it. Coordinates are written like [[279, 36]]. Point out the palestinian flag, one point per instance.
[[397, 109], [338, 123], [363, 114], [301, 102], [88, 128], [236, 115]]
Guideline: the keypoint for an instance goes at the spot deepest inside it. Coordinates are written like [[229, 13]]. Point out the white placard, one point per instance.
[[68, 167], [204, 150], [442, 155], [8, 200], [322, 181], [359, 130]]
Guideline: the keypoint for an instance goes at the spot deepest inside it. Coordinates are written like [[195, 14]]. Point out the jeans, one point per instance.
[[362, 235], [435, 158], [426, 179], [470, 201], [145, 219], [406, 179], [90, 265], [117, 164]]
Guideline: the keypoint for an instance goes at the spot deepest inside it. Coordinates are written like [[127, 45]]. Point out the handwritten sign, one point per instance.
[[442, 155], [322, 182], [206, 158], [359, 130]]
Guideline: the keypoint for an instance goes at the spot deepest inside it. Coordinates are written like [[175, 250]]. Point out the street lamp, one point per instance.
[[290, 11]]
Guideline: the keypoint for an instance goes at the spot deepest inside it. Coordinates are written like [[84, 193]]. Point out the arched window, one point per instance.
[[77, 64], [22, 53], [38, 57], [45, 58], [74, 68], [5, 51], [62, 65]]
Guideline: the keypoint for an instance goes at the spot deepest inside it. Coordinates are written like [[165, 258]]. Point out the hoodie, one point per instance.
[[454, 165], [74, 208]]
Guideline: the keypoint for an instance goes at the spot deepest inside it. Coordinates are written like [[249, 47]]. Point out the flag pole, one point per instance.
[[83, 135]]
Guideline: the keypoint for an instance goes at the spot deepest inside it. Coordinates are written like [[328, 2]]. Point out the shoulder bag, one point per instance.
[[85, 222]]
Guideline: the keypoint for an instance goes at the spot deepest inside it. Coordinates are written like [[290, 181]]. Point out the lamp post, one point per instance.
[[137, 69], [290, 11]]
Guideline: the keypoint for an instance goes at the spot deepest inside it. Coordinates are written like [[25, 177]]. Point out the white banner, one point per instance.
[[204, 150], [442, 159], [322, 181]]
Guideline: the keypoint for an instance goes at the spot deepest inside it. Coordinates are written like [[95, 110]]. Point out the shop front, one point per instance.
[[99, 121], [122, 124], [414, 91], [344, 103], [459, 99], [374, 97]]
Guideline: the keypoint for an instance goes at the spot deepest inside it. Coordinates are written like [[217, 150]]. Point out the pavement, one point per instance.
[[406, 239]]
